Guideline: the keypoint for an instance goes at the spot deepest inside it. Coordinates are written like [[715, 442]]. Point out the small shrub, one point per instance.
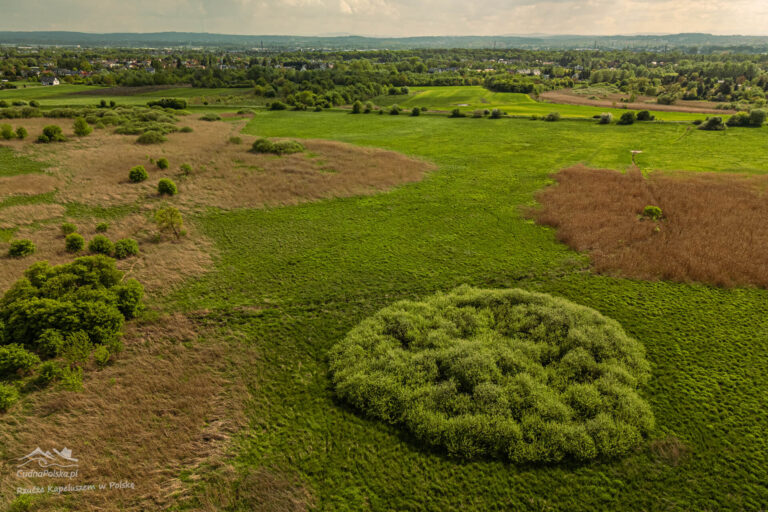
[[50, 343], [81, 127], [101, 245], [162, 163], [74, 242], [282, 147], [496, 113], [697, 122], [169, 220], [738, 119], [368, 107], [235, 140], [757, 117], [9, 395], [77, 348], [644, 115], [652, 212], [605, 118], [6, 132], [48, 372], [666, 99], [627, 118], [15, 359], [186, 129], [166, 187], [151, 137], [552, 117], [21, 247], [102, 227], [185, 169], [21, 132], [210, 117], [357, 107], [68, 228], [125, 248], [101, 356], [52, 133], [713, 124], [263, 146], [71, 378], [416, 111], [278, 105], [394, 110], [138, 174], [35, 104]]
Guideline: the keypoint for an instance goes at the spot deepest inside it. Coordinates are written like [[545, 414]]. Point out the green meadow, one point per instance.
[[292, 281]]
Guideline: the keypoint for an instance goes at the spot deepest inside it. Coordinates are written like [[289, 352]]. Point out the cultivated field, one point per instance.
[[289, 276], [577, 97]]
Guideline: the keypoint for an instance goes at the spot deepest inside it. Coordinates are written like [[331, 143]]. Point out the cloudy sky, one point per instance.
[[390, 17]]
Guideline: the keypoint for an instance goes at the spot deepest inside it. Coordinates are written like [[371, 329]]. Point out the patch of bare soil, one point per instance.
[[171, 401], [713, 228], [569, 97]]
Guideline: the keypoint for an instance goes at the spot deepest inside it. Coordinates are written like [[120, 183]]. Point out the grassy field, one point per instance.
[[294, 280], [291, 281], [476, 97]]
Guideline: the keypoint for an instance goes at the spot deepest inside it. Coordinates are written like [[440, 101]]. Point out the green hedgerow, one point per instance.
[[100, 245], [652, 212], [21, 247], [125, 248], [507, 374], [162, 163], [68, 228], [15, 359], [166, 187], [102, 227], [138, 174], [74, 242], [8, 396]]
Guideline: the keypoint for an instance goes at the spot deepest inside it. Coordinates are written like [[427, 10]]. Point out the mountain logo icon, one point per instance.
[[59, 458]]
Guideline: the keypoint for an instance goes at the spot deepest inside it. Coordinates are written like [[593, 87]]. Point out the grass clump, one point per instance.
[[74, 242], [151, 137], [507, 374], [166, 187], [100, 245], [68, 228], [138, 174], [283, 147], [9, 395], [102, 227], [125, 248], [210, 117], [81, 127], [21, 248], [652, 212], [162, 163]]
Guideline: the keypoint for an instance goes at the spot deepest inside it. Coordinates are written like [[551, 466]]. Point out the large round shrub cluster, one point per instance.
[[501, 373]]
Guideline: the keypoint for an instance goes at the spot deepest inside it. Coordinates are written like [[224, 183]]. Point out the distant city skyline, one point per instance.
[[391, 18]]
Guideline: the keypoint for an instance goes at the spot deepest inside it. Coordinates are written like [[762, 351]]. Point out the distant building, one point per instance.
[[49, 80]]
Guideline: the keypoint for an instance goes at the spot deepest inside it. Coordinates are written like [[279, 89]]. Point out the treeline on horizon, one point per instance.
[[320, 78]]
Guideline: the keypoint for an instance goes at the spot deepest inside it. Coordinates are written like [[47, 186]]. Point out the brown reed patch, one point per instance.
[[713, 230], [670, 450], [14, 216], [27, 185], [170, 402]]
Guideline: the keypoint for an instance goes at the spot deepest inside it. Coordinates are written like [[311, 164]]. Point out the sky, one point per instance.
[[390, 17]]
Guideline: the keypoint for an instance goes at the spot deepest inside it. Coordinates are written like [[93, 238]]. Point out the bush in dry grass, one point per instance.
[[15, 360], [168, 220], [502, 373], [166, 187], [52, 133], [125, 248], [652, 212], [138, 174], [6, 132], [186, 129], [68, 228], [100, 245], [9, 395], [162, 163], [74, 242], [151, 137], [21, 133], [282, 147], [21, 248], [102, 227], [185, 169], [81, 127]]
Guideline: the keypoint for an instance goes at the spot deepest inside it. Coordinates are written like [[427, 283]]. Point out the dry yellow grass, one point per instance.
[[713, 231], [27, 184]]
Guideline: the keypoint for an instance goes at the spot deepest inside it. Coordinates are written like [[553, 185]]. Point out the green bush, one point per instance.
[[151, 137], [210, 117], [166, 187], [81, 127], [605, 118], [6, 132], [713, 124], [416, 111], [357, 107], [738, 119], [628, 118], [100, 245], [552, 117], [9, 395], [757, 117], [21, 247], [48, 372], [186, 129], [282, 147], [68, 228], [125, 248], [394, 110], [52, 133], [235, 140], [21, 132], [496, 113], [138, 174], [101, 356], [185, 169], [278, 105], [74, 242], [508, 374], [102, 227], [15, 359], [644, 115], [174, 103], [50, 303], [456, 113], [652, 212], [162, 163]]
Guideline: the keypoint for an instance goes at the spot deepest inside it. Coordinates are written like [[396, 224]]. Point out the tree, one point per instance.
[[757, 117], [82, 128], [169, 219]]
